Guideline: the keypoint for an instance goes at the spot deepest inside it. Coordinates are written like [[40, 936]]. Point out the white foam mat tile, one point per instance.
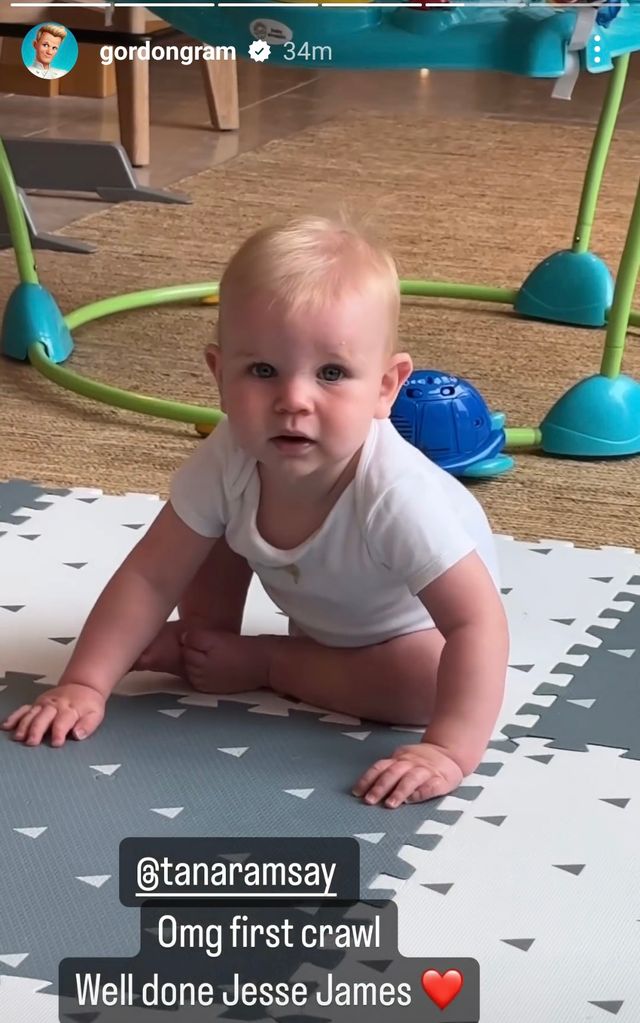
[[82, 537], [56, 577], [542, 860], [22, 999]]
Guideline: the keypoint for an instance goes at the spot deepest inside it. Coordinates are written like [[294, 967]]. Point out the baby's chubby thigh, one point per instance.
[[392, 682], [399, 677]]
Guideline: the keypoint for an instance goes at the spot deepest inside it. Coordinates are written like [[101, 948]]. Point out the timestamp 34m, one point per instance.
[[307, 51]]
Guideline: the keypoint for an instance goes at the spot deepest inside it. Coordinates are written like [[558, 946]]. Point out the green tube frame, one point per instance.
[[185, 413]]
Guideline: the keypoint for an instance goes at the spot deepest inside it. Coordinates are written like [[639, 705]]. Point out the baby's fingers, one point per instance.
[[434, 786], [87, 724], [369, 777], [17, 716], [62, 725], [35, 723]]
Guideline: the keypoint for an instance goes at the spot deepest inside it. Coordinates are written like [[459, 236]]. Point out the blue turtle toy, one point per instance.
[[607, 13], [447, 419]]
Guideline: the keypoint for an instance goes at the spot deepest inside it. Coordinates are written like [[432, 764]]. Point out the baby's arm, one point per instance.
[[466, 607], [126, 617]]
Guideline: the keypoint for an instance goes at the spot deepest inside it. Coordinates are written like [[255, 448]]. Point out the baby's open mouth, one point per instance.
[[293, 438], [289, 440]]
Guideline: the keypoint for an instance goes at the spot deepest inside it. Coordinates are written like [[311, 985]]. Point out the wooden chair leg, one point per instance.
[[132, 81], [221, 88]]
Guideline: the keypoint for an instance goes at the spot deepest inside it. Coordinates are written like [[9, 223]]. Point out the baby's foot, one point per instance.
[[165, 652], [223, 662]]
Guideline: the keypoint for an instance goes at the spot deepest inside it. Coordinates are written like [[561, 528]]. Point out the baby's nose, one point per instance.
[[294, 395]]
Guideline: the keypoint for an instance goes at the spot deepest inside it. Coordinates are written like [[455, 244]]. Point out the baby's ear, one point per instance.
[[213, 360], [399, 368]]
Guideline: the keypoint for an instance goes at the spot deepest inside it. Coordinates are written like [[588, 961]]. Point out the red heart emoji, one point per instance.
[[442, 988]]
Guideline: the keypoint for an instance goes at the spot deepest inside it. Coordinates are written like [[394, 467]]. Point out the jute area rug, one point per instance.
[[479, 202]]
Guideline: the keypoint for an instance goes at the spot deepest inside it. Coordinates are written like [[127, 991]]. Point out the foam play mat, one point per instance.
[[530, 867]]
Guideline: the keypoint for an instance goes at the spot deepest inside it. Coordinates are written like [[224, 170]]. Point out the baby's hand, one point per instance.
[[69, 707], [411, 775]]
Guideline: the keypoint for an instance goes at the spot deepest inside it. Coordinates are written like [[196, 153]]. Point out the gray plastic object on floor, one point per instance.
[[73, 166]]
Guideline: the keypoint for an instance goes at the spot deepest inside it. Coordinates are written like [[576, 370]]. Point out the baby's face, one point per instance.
[[300, 389]]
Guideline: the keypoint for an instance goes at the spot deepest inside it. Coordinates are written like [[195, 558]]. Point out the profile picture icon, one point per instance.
[[49, 50]]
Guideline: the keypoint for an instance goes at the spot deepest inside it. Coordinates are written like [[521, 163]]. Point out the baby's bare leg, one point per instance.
[[394, 682], [214, 599]]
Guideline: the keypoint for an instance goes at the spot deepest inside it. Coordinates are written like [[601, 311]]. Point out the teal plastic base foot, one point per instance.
[[489, 467], [568, 287], [32, 316], [597, 418]]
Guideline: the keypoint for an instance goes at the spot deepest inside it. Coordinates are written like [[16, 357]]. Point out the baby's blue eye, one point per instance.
[[262, 370], [331, 373]]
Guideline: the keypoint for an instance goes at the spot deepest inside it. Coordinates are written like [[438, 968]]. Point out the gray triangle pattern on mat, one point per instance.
[[524, 944], [379, 965], [19, 678], [488, 769], [612, 1007]]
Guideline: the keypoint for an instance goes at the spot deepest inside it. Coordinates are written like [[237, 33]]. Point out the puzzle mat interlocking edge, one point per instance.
[[531, 867]]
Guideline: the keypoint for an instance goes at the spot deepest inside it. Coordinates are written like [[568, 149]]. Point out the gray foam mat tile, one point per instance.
[[207, 771], [597, 700], [24, 497]]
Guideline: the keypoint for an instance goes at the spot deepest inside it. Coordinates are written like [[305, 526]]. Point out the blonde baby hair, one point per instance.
[[309, 261], [59, 31]]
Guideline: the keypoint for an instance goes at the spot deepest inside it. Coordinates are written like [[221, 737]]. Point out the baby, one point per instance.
[[383, 563]]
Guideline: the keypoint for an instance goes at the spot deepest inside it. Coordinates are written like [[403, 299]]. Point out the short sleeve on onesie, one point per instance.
[[419, 521], [201, 488], [415, 531]]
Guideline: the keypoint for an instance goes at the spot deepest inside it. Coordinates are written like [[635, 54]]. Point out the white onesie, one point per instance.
[[399, 524]]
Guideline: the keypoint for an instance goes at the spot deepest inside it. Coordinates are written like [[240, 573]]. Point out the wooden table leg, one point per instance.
[[221, 88], [132, 80]]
